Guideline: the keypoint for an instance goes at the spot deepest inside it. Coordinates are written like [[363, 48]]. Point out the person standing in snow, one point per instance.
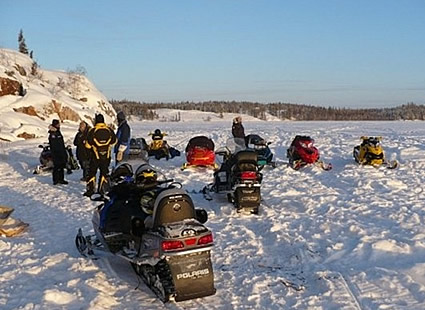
[[100, 140], [238, 131], [122, 147], [83, 153], [58, 151]]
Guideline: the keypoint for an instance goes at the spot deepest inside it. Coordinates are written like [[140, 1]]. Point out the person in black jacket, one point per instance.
[[100, 140], [237, 129], [59, 154], [122, 148], [83, 153]]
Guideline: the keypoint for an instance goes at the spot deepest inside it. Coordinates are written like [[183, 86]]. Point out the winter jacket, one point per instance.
[[123, 137], [100, 139], [57, 147], [83, 153], [238, 131]]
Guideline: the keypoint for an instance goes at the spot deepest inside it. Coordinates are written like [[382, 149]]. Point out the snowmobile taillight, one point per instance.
[[205, 239], [190, 241], [170, 245], [248, 175]]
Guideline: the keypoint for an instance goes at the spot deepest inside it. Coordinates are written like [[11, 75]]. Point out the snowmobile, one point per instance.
[[200, 152], [154, 226], [138, 149], [159, 148], [302, 152], [239, 177], [261, 147], [46, 160], [370, 152]]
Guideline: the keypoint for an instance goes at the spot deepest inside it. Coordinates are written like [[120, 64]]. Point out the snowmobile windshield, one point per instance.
[[307, 144], [235, 145], [200, 141]]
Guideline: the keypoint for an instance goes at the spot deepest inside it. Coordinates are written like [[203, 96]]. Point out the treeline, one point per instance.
[[284, 111]]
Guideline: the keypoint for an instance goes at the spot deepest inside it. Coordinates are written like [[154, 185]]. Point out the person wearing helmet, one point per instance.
[[122, 147], [158, 147], [146, 177], [100, 139]]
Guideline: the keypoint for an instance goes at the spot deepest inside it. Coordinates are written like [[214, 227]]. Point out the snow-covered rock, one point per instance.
[[30, 97]]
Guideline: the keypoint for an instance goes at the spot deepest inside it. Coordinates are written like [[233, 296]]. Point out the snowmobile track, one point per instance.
[[340, 284]]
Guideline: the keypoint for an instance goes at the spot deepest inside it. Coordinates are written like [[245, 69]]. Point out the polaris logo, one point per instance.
[[249, 198], [177, 207], [193, 274]]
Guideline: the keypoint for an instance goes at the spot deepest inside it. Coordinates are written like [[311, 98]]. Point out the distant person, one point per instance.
[[122, 148], [58, 151], [100, 139], [83, 153], [237, 128], [238, 132]]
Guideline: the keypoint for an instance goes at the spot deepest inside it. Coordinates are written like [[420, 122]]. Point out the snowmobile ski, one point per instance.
[[84, 245], [206, 191], [393, 164], [323, 165]]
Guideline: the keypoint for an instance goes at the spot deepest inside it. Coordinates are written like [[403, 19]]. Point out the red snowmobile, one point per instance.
[[200, 152], [302, 152]]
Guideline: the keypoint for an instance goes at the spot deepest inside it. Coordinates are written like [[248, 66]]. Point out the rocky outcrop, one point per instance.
[[63, 112], [26, 135], [21, 70], [67, 113], [28, 110], [8, 87]]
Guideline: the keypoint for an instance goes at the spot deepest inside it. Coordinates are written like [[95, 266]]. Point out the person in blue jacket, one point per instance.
[[122, 147]]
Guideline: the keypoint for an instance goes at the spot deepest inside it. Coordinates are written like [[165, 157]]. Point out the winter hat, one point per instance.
[[55, 122], [99, 119], [121, 116]]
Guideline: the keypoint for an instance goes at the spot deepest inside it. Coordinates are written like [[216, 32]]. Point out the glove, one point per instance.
[[119, 155], [122, 148]]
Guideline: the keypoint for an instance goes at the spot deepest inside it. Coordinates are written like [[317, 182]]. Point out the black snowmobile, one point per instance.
[[261, 147], [239, 177], [46, 160], [138, 149], [153, 225]]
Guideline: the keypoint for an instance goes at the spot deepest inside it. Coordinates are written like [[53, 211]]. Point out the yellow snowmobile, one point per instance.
[[370, 152], [158, 147]]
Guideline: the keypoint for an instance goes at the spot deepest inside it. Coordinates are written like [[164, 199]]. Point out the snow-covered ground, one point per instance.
[[350, 238]]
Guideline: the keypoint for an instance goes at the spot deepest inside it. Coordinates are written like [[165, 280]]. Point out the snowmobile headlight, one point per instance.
[[259, 146]]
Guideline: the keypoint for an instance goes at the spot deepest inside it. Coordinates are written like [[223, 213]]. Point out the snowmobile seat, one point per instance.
[[245, 161], [172, 205]]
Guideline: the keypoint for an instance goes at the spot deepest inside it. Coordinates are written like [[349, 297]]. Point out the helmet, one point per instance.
[[147, 202], [237, 120], [122, 173], [157, 132], [145, 175]]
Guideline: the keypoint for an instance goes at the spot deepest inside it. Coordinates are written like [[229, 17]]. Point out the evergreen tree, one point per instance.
[[22, 45]]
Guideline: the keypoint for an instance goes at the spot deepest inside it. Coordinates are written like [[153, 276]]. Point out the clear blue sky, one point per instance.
[[358, 53]]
